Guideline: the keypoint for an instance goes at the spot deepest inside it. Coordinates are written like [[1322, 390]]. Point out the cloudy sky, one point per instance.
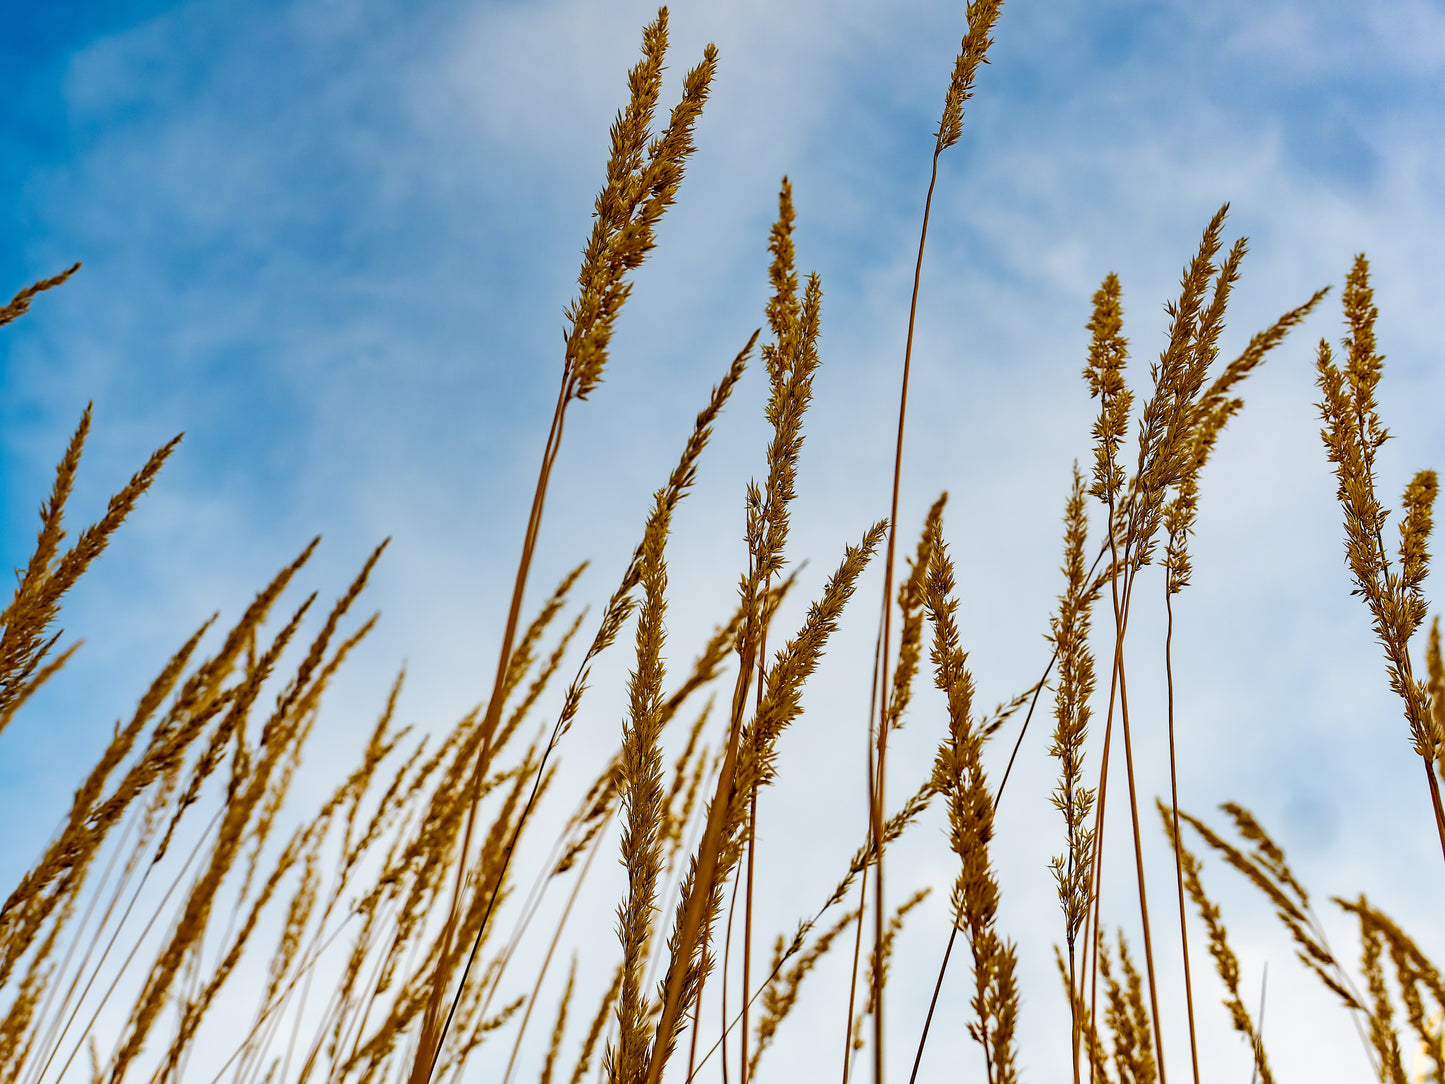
[[332, 242]]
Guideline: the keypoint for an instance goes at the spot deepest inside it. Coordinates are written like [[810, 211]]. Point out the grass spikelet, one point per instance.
[[1178, 428], [1126, 1018], [1105, 376], [879, 959], [1215, 408], [1383, 1036], [893, 828], [595, 1031], [561, 1027], [623, 234], [20, 303], [1409, 980], [642, 794], [1436, 688], [37, 598], [1272, 878], [719, 849], [1225, 962], [524, 654], [798, 659], [1352, 434], [1413, 969], [1165, 447], [791, 362], [910, 606], [958, 775], [780, 992], [863, 857], [972, 52], [246, 791], [27, 908], [1070, 635], [89, 819], [619, 607]]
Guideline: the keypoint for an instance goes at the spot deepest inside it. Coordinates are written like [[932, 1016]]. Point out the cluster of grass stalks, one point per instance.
[[400, 879]]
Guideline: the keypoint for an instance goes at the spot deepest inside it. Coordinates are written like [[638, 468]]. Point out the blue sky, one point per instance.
[[332, 240]]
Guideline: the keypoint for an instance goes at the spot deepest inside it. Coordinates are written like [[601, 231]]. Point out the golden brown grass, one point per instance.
[[408, 865]]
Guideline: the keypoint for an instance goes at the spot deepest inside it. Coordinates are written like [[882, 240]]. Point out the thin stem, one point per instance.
[[547, 960], [693, 927], [432, 1036], [1091, 925], [697, 1006], [1018, 742], [697, 1009], [1074, 1023], [51, 1040], [752, 842], [998, 796], [1139, 871], [274, 1006], [1407, 674], [727, 957], [1259, 1028], [1174, 809], [533, 901], [863, 882], [175, 883], [878, 791], [1435, 801], [933, 1004], [853, 986]]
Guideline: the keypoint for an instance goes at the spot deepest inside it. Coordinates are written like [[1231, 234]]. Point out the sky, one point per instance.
[[332, 241]]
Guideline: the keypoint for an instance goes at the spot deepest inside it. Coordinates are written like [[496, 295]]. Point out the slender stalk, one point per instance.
[[727, 956], [697, 1009], [547, 960], [1091, 928], [51, 1040], [932, 1004], [863, 880], [752, 844], [692, 926], [876, 812], [998, 797], [1139, 870], [1174, 810], [433, 1030], [1435, 801], [175, 883]]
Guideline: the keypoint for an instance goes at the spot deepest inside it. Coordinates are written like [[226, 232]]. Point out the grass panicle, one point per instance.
[[20, 304], [1127, 1019], [642, 794], [1353, 434], [958, 774], [1225, 962], [780, 992], [193, 901], [1070, 635]]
